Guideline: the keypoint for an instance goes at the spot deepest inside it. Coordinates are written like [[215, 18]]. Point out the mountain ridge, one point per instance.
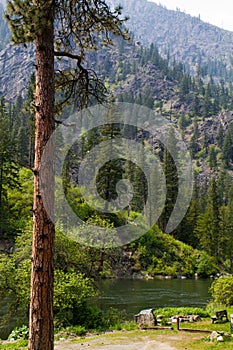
[[201, 47], [185, 38]]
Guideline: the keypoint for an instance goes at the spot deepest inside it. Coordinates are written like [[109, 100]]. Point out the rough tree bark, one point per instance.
[[42, 275]]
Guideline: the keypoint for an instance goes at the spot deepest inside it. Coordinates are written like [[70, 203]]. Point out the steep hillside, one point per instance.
[[200, 108], [201, 47], [184, 38]]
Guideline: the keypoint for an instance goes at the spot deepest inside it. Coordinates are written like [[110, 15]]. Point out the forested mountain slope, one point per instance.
[[182, 37], [202, 113], [202, 48], [200, 108]]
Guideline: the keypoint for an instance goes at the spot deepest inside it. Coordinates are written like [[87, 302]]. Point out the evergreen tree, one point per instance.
[[207, 103], [8, 166], [227, 149], [207, 228], [171, 175], [77, 23], [223, 184], [194, 147], [196, 105], [112, 171], [186, 230], [226, 236], [220, 136], [140, 184], [212, 158]]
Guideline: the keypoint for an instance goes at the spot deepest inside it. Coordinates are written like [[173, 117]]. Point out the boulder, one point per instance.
[[220, 338], [145, 318], [214, 335]]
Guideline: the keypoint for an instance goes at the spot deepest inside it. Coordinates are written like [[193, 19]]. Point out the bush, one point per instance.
[[91, 317], [71, 293], [19, 333], [206, 265], [184, 311], [130, 326], [77, 330], [222, 290]]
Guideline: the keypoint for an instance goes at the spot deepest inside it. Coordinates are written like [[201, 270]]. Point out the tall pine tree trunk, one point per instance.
[[42, 275]]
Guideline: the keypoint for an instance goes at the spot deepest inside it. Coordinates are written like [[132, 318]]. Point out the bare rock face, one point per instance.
[[16, 66]]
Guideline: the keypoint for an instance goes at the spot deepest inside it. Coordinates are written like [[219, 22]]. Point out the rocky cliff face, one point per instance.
[[16, 63], [16, 66]]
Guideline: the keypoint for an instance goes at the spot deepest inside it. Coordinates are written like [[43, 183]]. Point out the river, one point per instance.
[[132, 296]]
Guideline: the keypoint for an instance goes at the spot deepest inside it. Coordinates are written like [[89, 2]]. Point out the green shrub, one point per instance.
[[71, 293], [112, 317], [19, 333], [184, 311], [117, 327], [206, 265], [77, 330], [91, 317], [222, 290], [129, 326]]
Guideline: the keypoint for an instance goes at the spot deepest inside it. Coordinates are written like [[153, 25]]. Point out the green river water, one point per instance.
[[131, 296]]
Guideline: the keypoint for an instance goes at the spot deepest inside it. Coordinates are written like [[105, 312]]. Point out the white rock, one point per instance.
[[214, 335], [220, 338]]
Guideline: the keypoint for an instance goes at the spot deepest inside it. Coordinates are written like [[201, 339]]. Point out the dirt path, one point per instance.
[[145, 345], [123, 341]]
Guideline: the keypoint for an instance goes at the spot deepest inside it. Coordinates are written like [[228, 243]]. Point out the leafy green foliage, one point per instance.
[[72, 289], [71, 292], [184, 311], [207, 265], [76, 330], [222, 290], [8, 166], [19, 333]]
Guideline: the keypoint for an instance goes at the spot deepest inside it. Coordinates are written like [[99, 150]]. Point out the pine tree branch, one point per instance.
[[73, 125], [68, 54]]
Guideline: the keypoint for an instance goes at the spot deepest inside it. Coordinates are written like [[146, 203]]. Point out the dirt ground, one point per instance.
[[124, 342], [143, 345]]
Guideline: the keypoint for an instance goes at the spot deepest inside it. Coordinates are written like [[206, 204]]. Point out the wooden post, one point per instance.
[[178, 323], [231, 323]]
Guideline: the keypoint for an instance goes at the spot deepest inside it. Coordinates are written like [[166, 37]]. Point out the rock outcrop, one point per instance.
[[16, 66]]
